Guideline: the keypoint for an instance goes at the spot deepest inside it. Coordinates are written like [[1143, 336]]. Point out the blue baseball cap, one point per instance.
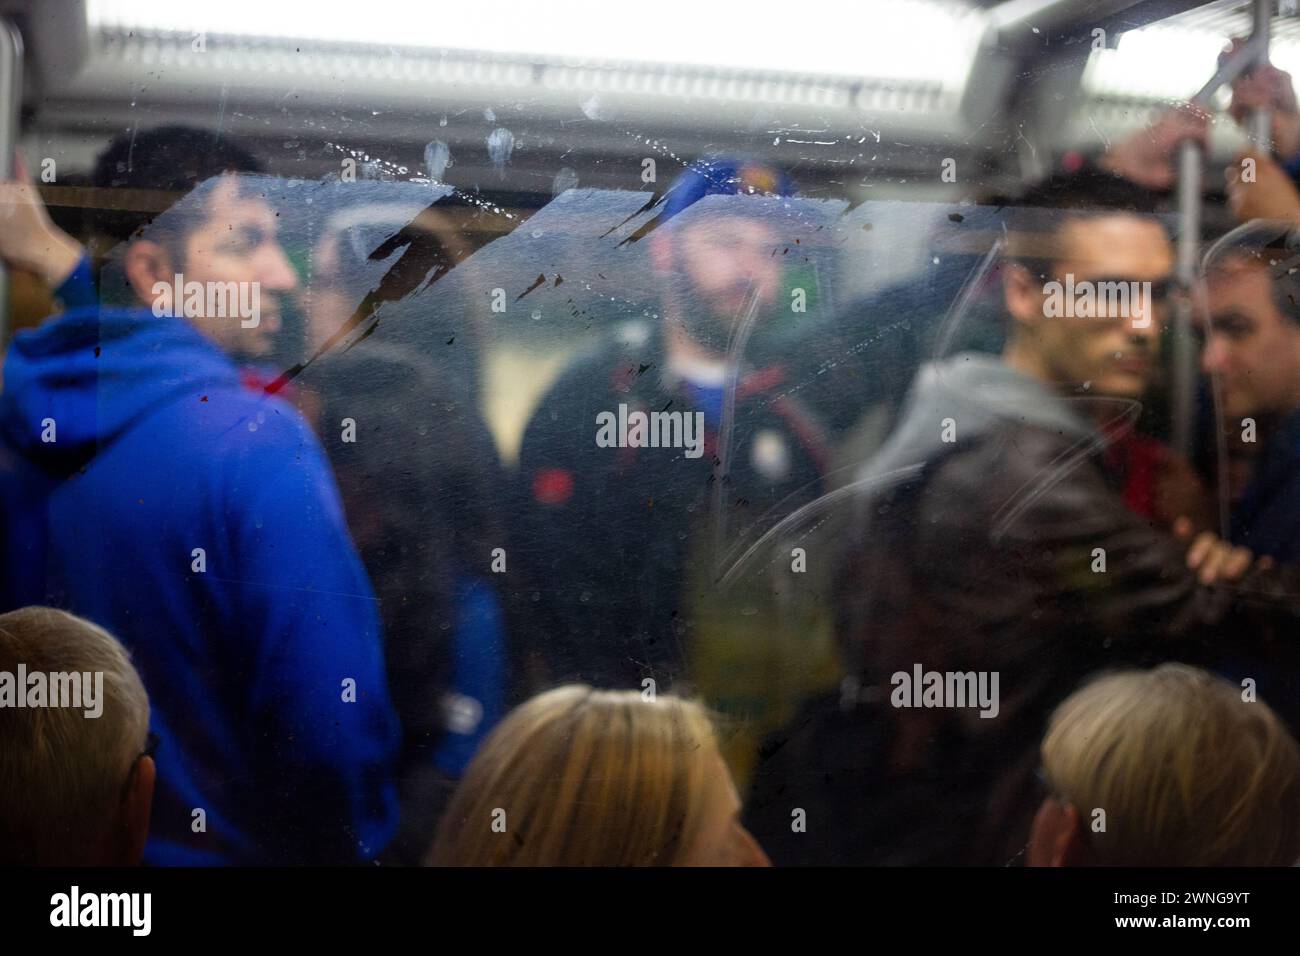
[[724, 176]]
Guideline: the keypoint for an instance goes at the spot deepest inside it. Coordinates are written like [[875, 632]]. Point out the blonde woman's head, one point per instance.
[[1167, 767], [583, 777]]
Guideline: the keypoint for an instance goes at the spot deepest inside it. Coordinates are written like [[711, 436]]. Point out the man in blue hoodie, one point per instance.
[[144, 486]]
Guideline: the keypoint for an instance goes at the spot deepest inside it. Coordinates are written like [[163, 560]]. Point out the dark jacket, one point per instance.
[[1266, 519], [129, 442], [420, 482], [984, 554], [623, 546], [419, 479]]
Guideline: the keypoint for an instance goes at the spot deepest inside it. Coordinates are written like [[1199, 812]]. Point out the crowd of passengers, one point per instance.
[[325, 622]]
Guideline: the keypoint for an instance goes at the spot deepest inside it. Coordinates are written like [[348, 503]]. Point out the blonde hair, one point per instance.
[[61, 772], [583, 777], [1187, 772]]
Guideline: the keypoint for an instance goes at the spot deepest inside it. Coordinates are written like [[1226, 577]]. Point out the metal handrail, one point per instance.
[[11, 91], [1254, 52]]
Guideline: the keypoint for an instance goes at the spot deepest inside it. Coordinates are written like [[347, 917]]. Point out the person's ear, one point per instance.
[[1023, 295], [146, 264], [136, 811], [1071, 845]]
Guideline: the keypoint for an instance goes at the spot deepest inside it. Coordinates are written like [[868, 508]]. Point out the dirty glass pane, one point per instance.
[[651, 450]]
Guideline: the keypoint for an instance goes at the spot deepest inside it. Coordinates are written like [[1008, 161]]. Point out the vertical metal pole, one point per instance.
[[1189, 222], [11, 76], [1184, 343], [1261, 119]]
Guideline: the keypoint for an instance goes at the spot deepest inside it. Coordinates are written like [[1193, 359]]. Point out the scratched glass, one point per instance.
[[647, 361]]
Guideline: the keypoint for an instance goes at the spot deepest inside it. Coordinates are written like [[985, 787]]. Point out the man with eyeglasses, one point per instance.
[[78, 786], [1166, 767]]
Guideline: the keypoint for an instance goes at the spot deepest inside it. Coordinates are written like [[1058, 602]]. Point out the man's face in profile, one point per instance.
[[1252, 350], [238, 243], [719, 262], [1108, 347]]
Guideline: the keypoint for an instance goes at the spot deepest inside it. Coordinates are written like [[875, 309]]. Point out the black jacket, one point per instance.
[[612, 539], [1004, 550]]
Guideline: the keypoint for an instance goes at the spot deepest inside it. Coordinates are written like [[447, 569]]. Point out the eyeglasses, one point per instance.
[[150, 748], [1050, 792], [1046, 786], [1159, 292]]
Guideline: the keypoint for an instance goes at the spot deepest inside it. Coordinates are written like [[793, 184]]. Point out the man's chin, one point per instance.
[[247, 351], [1234, 408], [1127, 387]]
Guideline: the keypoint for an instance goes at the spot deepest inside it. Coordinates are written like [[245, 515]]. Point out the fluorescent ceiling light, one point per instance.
[[1169, 63], [931, 40]]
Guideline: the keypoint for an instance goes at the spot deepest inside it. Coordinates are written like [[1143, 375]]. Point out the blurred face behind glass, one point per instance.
[[341, 273], [1251, 349], [717, 262], [327, 304], [1111, 352], [238, 243]]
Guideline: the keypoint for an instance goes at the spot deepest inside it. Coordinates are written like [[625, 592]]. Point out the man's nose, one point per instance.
[[1144, 320], [277, 273], [762, 269], [1214, 356], [1142, 333]]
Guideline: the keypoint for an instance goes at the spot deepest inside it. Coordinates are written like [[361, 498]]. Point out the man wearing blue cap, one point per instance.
[[679, 445]]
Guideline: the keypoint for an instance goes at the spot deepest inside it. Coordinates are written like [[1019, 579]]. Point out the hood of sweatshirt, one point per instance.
[[978, 392], [78, 382]]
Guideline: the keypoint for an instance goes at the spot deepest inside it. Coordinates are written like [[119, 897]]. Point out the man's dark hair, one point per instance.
[[1089, 190], [167, 159], [1272, 246], [1045, 207]]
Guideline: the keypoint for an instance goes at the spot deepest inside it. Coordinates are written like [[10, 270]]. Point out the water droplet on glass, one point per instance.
[[436, 156], [565, 179], [500, 144]]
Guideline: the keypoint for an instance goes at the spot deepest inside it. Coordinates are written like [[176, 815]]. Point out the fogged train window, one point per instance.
[[366, 388]]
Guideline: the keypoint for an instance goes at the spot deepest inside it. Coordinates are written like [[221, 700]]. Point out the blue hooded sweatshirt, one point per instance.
[[144, 487]]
